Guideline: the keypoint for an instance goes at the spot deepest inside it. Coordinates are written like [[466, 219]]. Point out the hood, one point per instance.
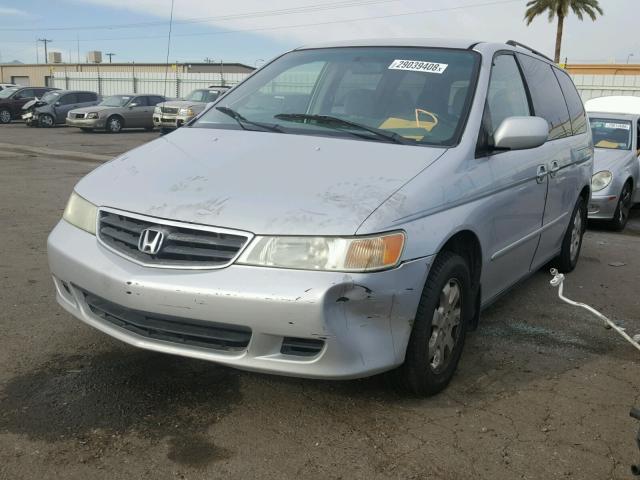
[[94, 108], [30, 103], [262, 182], [609, 159], [180, 104]]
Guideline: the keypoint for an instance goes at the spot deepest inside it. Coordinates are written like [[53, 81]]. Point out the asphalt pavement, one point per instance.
[[542, 391]]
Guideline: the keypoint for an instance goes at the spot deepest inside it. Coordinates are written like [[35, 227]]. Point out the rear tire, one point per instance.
[[625, 202], [5, 116], [439, 329], [572, 241]]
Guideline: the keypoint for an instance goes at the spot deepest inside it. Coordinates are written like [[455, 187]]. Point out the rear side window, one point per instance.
[[507, 96], [548, 101], [69, 99], [155, 100], [574, 102], [140, 101]]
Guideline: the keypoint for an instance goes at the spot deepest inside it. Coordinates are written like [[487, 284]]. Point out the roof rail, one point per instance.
[[513, 43]]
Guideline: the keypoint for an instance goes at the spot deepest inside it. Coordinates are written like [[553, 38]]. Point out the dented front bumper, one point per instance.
[[363, 320]]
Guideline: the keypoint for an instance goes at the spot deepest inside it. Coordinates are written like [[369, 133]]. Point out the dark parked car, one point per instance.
[[53, 107], [12, 100]]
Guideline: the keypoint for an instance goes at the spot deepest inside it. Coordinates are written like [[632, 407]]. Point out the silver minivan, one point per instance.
[[347, 210]]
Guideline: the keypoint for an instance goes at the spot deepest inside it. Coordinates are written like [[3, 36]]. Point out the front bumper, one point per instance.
[[86, 122], [164, 120], [602, 207], [364, 319]]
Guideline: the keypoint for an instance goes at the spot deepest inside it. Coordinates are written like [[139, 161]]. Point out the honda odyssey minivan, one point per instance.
[[347, 210]]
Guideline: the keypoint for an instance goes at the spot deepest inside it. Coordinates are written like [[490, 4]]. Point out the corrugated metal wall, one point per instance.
[[171, 85], [592, 86]]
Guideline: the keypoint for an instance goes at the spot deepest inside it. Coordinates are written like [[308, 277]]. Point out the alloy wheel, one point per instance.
[[625, 204], [5, 116], [576, 235], [445, 326], [115, 125], [46, 121]]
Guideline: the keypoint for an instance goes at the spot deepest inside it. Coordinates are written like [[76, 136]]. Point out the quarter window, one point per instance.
[[548, 101], [507, 96], [574, 102]]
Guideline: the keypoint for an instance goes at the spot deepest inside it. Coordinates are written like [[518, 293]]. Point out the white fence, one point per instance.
[[112, 83], [592, 86]]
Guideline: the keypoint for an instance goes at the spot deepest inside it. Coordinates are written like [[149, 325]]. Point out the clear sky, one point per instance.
[[250, 31]]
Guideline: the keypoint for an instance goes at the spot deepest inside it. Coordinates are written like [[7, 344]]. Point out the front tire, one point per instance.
[[572, 241], [114, 124], [46, 121], [5, 116], [440, 327], [623, 208]]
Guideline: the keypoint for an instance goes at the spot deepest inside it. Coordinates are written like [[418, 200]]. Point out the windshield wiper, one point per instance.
[[336, 121], [243, 122]]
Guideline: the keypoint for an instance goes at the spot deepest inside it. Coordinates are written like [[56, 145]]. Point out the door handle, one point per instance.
[[555, 166], [541, 173]]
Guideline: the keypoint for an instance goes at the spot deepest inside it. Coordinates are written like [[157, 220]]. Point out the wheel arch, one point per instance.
[[467, 244]]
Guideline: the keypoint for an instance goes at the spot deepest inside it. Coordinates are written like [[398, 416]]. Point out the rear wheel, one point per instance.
[[45, 120], [572, 241], [5, 116], [624, 207], [440, 326], [114, 124]]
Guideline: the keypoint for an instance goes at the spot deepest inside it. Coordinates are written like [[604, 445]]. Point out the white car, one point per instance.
[[6, 85]]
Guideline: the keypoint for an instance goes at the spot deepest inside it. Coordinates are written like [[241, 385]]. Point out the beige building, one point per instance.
[[42, 74]]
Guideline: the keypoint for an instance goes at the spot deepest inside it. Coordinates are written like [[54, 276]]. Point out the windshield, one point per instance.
[[50, 97], [116, 101], [611, 133], [422, 95], [203, 96], [6, 93]]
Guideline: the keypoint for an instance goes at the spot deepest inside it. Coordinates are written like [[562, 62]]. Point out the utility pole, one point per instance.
[[109, 55], [45, 41], [629, 57]]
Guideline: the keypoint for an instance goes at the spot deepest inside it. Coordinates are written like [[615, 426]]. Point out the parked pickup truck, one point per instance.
[[171, 115]]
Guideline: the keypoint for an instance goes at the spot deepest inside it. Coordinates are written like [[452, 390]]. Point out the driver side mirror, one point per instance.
[[57, 104], [521, 133]]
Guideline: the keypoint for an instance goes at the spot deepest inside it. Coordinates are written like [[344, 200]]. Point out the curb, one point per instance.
[[70, 155]]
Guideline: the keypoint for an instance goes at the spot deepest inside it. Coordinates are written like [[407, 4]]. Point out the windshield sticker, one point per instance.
[[616, 126], [418, 66]]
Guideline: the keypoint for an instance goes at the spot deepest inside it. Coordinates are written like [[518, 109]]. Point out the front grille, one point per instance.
[[171, 110], [168, 328], [184, 245], [168, 120], [79, 115]]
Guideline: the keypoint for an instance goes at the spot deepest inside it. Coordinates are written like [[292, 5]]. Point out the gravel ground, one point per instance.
[[542, 390]]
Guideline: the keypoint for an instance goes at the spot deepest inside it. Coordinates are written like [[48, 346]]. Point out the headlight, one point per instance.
[[186, 112], [92, 115], [157, 110], [601, 180], [81, 213], [350, 254]]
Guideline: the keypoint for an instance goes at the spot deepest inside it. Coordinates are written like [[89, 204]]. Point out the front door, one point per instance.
[[516, 202]]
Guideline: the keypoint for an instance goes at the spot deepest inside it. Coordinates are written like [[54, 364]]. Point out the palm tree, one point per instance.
[[560, 8]]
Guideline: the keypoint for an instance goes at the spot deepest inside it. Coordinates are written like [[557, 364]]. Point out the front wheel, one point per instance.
[[45, 121], [5, 116], [439, 329], [623, 208], [572, 241], [114, 124]]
